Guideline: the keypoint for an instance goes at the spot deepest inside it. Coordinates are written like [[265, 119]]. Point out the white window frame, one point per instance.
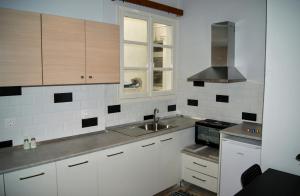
[[150, 18]]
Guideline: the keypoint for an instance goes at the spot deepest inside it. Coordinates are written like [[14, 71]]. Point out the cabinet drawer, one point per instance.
[[200, 165], [200, 180]]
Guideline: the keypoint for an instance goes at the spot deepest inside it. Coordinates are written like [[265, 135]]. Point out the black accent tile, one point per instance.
[[192, 102], [113, 109], [222, 98], [4, 144], [63, 97], [148, 117], [10, 91], [198, 83], [249, 116], [171, 108], [89, 122]]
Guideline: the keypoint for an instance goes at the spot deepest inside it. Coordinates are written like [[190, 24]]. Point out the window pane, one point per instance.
[[135, 29], [135, 55], [162, 57], [135, 81], [162, 34], [162, 80]]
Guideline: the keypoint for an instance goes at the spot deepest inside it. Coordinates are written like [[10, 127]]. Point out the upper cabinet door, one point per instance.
[[20, 48], [102, 53], [63, 50]]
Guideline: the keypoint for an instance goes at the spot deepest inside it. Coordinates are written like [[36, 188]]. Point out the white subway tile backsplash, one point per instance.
[[38, 116]]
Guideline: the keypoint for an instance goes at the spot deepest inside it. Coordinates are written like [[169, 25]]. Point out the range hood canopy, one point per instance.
[[222, 69]]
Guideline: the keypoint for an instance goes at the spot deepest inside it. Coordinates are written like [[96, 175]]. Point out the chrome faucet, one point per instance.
[[155, 119]]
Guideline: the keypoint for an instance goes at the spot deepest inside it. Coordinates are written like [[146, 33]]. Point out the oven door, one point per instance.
[[201, 134]]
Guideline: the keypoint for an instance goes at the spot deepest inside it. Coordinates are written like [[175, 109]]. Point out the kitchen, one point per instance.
[[55, 112]]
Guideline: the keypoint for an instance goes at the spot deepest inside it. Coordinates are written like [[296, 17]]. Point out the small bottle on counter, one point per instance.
[[33, 143], [26, 145]]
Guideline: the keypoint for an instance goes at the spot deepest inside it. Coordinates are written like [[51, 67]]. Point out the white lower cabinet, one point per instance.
[[116, 169], [236, 157], [1, 186], [200, 172], [78, 176], [169, 161], [146, 163], [36, 181]]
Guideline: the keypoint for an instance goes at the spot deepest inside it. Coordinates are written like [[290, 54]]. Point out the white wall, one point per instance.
[[195, 53], [35, 113], [281, 134]]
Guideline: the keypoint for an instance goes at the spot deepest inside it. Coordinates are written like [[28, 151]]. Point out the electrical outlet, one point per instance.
[[10, 122]]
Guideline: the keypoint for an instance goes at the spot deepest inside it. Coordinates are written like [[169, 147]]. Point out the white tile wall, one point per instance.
[[243, 97], [37, 115]]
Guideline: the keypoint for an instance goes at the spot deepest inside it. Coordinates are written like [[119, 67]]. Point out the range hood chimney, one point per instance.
[[222, 68]]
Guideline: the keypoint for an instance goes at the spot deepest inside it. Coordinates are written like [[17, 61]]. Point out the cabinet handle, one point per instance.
[[85, 162], [36, 175], [199, 164], [82, 77], [298, 157], [90, 77], [199, 179], [240, 153], [148, 145], [115, 154], [166, 139]]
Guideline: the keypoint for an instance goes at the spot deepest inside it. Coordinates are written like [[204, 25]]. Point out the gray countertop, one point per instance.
[[16, 158], [242, 130]]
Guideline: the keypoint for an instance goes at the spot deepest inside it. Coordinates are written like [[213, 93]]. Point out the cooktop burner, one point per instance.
[[214, 123]]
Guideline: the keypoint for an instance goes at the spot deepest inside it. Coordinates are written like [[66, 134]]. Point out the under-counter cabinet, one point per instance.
[[35, 181], [169, 160], [146, 175], [1, 186], [200, 172], [116, 172], [237, 155], [102, 53], [20, 48], [63, 50], [78, 176]]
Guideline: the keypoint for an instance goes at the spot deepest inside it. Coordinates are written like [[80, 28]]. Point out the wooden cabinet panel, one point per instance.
[[35, 181], [20, 48], [63, 49], [102, 53]]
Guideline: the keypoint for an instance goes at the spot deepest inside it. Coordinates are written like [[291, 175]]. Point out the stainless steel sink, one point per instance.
[[155, 126]]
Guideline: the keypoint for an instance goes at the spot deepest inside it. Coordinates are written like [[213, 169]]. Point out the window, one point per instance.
[[147, 47]]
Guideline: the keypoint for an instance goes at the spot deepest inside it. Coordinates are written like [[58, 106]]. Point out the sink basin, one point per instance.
[[155, 126]]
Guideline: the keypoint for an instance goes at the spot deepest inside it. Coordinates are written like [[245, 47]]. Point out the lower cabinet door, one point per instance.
[[1, 186], [146, 164], [36, 181], [169, 161], [116, 172], [78, 176]]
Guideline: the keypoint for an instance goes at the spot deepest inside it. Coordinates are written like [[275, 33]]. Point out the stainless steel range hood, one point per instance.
[[222, 68]]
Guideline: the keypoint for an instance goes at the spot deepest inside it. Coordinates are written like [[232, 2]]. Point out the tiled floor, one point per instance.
[[189, 188]]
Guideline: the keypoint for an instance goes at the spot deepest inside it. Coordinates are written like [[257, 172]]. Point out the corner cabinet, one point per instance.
[[63, 49], [102, 53], [34, 181], [77, 176], [20, 48]]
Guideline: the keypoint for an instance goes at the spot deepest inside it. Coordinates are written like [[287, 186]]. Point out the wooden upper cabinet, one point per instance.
[[20, 48], [63, 50], [102, 53]]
